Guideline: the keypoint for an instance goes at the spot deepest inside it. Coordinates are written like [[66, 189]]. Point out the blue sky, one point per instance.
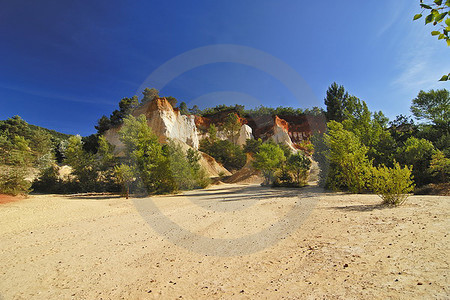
[[63, 64]]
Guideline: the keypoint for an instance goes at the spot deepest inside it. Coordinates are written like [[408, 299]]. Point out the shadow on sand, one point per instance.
[[366, 207]]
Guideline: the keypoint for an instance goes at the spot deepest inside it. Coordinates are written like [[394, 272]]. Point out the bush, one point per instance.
[[347, 159], [252, 145], [48, 181], [392, 184], [440, 167], [12, 181], [269, 159], [299, 165], [231, 156], [417, 153]]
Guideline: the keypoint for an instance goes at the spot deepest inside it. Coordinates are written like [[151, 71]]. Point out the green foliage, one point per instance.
[[103, 124], [438, 13], [126, 106], [172, 100], [145, 156], [159, 169], [433, 106], [370, 130], [22, 147], [440, 167], [335, 102], [252, 145], [402, 128], [48, 181], [93, 172], [268, 159], [392, 184], [261, 111], [82, 164], [13, 182], [183, 108], [231, 156], [212, 133], [124, 176], [149, 95], [186, 170], [299, 165], [417, 153], [347, 159], [195, 110], [232, 126]]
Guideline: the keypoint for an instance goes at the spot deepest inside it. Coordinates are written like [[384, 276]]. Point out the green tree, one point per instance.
[[418, 154], [103, 124], [13, 182], [172, 100], [438, 12], [145, 155], [212, 133], [335, 101], [232, 127], [440, 167], [433, 106], [183, 108], [252, 145], [124, 176], [149, 95], [195, 110], [269, 159], [299, 165], [82, 163], [231, 156], [127, 105], [347, 157]]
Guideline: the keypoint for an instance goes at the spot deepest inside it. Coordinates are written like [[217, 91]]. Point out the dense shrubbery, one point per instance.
[[158, 168], [359, 153], [231, 156], [22, 148], [281, 167]]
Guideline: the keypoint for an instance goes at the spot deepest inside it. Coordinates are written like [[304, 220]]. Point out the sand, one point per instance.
[[335, 246]]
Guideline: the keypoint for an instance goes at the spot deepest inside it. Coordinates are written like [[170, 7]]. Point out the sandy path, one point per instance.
[[54, 247]]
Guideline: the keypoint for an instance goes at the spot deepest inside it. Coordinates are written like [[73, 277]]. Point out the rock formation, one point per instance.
[[167, 122], [245, 133]]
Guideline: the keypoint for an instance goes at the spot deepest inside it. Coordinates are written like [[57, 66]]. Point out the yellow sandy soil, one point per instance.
[[348, 247]]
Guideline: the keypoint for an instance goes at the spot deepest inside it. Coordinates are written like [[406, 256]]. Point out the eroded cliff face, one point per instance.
[[167, 122]]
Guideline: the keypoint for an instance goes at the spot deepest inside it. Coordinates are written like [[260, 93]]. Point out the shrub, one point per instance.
[[392, 184], [225, 152], [12, 181], [48, 181], [440, 167], [252, 145], [417, 153], [349, 166], [124, 177], [269, 159], [299, 165]]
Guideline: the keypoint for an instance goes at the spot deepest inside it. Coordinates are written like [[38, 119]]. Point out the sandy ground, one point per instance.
[[230, 241]]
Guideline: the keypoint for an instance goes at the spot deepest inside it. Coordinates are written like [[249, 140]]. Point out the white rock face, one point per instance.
[[164, 121], [245, 133], [169, 123], [281, 134]]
